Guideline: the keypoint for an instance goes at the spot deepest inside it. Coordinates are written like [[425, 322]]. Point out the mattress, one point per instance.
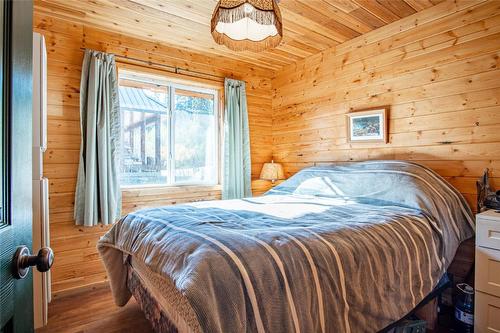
[[348, 248], [166, 317]]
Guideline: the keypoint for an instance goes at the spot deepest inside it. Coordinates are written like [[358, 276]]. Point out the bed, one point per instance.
[[338, 248]]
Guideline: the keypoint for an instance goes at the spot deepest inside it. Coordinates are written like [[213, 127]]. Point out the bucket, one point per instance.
[[464, 309]]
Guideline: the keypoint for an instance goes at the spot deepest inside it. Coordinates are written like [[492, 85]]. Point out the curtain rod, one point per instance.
[[172, 69]]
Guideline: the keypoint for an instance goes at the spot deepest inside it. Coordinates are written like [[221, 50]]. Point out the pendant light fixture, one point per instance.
[[247, 25]]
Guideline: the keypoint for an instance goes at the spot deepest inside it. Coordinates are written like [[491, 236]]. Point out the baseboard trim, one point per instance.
[[81, 289]]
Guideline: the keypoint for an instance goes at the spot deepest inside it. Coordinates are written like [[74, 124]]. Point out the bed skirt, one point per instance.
[[152, 310]]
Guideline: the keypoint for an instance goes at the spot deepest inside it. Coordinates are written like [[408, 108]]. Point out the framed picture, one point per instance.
[[367, 126]]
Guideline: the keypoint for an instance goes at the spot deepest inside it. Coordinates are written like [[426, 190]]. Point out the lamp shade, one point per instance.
[[272, 171], [253, 25]]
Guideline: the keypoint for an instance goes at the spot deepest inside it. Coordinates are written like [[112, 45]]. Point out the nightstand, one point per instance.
[[487, 279]]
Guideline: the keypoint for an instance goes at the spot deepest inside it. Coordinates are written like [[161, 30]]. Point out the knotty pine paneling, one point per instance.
[[437, 70], [77, 262], [309, 26]]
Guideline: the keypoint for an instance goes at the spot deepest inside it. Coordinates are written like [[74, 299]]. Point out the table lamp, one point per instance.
[[272, 171]]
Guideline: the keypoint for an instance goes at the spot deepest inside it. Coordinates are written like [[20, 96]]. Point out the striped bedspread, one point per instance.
[[339, 248]]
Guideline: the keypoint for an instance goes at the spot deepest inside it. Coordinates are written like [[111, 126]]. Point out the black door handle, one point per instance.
[[23, 260]]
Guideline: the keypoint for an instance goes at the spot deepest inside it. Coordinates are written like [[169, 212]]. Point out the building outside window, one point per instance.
[[169, 133]]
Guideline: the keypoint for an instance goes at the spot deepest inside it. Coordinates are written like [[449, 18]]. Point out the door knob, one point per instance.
[[23, 260]]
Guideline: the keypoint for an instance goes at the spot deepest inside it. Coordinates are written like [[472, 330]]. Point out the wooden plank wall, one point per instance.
[[77, 263], [438, 72]]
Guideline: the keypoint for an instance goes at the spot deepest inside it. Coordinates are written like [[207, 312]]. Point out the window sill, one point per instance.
[[163, 189]]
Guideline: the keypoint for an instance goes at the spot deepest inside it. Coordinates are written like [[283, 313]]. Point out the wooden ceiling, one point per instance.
[[310, 26]]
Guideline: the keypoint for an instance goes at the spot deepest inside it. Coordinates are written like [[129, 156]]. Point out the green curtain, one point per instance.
[[236, 182], [98, 195]]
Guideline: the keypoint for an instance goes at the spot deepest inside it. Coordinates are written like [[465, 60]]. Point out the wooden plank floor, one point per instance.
[[93, 311], [90, 311]]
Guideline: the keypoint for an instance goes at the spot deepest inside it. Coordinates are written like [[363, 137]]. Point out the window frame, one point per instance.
[[182, 84]]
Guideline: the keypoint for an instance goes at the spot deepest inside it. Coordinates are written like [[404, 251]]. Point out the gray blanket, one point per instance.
[[340, 248]]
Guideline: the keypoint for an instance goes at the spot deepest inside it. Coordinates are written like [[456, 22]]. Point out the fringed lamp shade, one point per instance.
[[253, 25]]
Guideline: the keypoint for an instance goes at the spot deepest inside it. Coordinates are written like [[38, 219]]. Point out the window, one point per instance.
[[169, 133]]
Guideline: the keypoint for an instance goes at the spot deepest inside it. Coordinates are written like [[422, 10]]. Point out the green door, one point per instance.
[[16, 295]]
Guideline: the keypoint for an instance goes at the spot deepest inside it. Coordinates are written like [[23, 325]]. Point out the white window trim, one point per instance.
[[133, 76]]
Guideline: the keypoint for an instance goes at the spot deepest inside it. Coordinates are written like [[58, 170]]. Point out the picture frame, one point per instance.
[[367, 126]]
